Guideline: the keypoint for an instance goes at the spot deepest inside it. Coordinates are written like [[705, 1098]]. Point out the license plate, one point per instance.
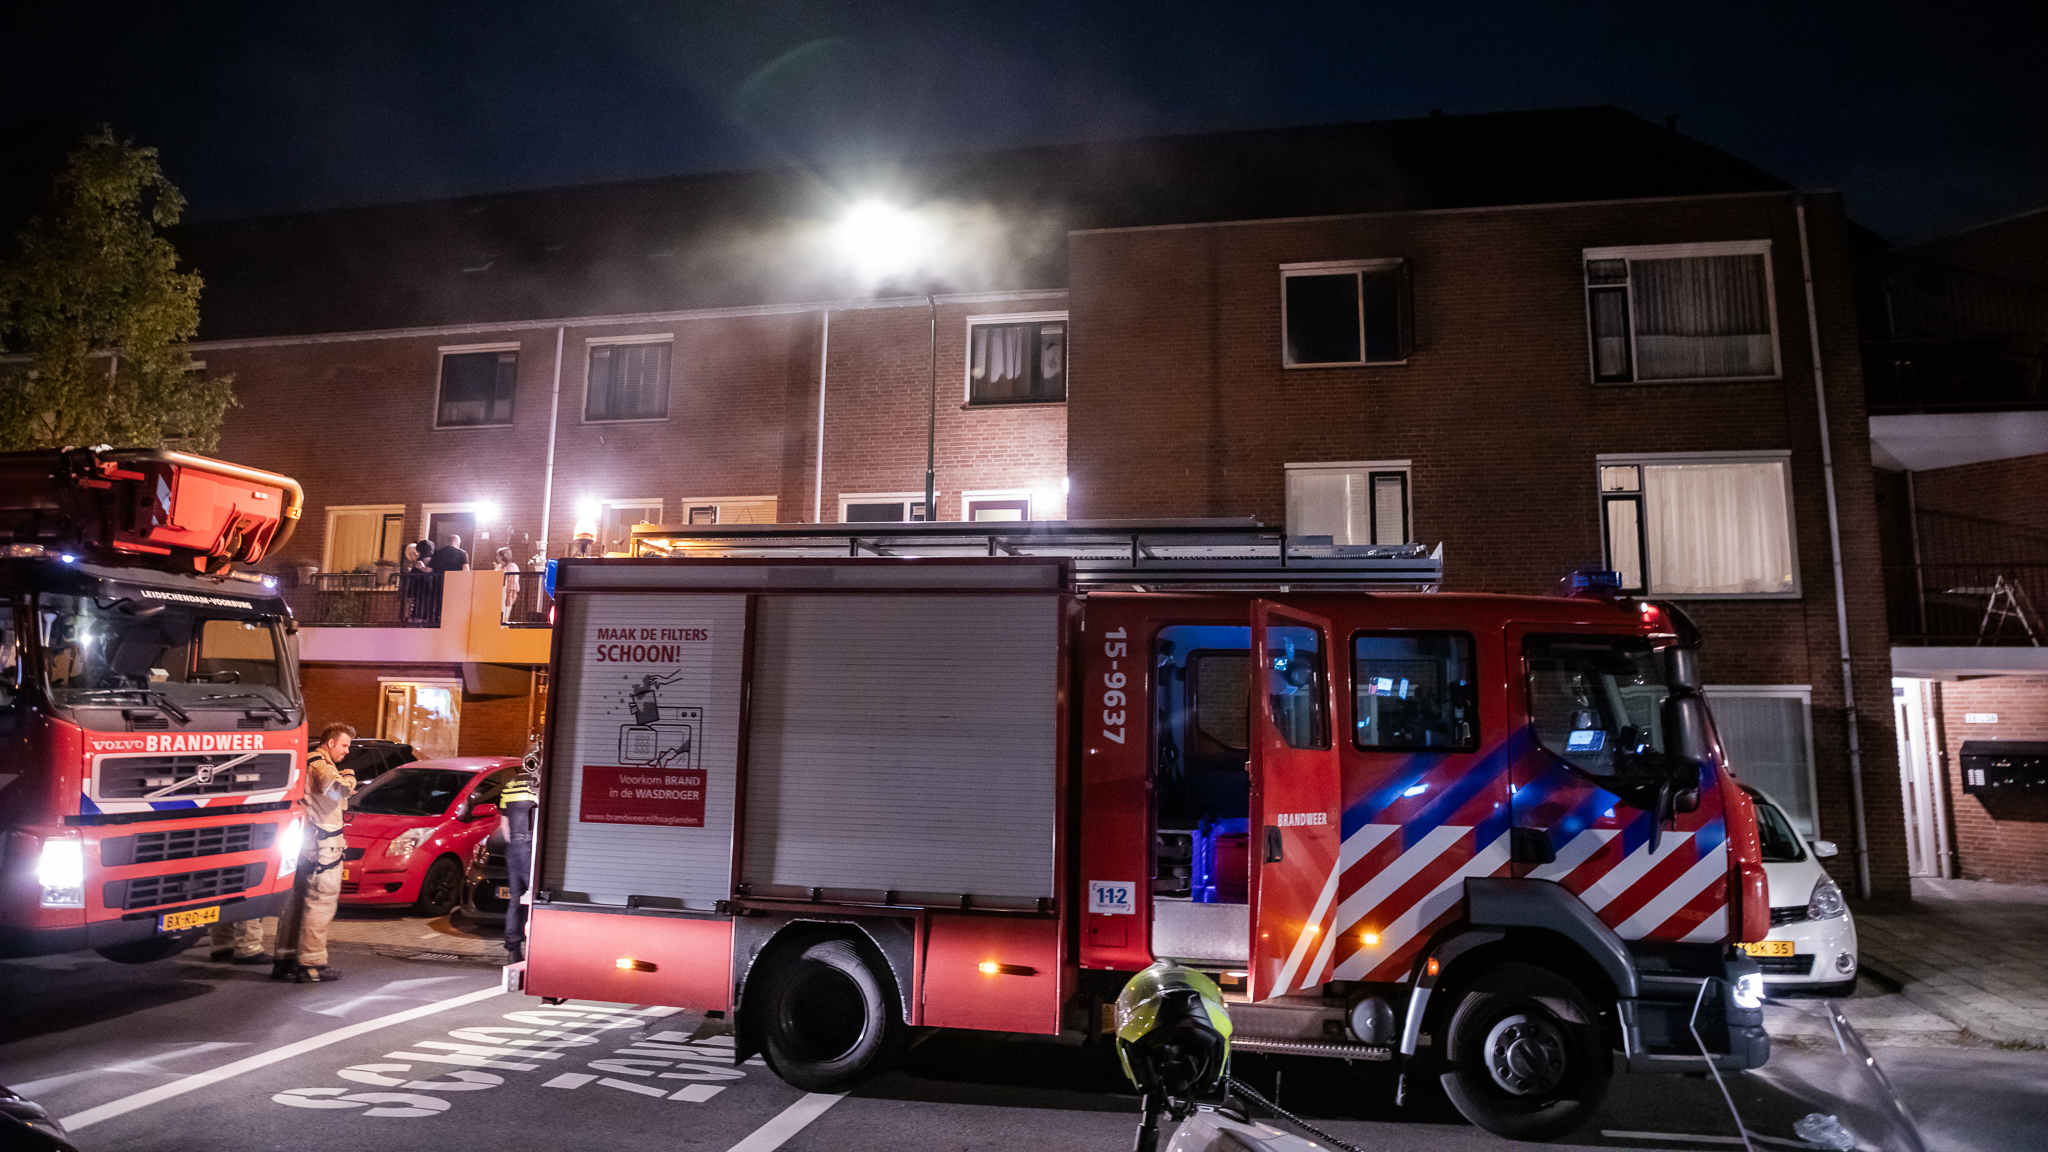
[[504, 893], [1769, 948], [174, 921]]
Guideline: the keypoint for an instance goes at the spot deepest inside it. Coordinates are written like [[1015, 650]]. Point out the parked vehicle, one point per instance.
[[1811, 949], [152, 736], [413, 833], [369, 758], [840, 782], [487, 895]]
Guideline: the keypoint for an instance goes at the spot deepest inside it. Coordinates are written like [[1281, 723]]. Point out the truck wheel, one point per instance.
[[149, 951], [826, 1020], [1527, 1057], [441, 891]]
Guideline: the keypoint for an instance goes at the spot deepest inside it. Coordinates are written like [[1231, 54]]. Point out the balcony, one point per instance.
[[398, 618]]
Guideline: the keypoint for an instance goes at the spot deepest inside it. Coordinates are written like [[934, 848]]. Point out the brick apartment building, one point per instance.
[[1549, 340], [1956, 339]]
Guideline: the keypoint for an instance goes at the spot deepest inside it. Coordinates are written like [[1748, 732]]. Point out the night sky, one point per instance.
[[1930, 116]]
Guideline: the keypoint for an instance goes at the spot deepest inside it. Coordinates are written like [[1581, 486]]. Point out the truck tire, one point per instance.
[[151, 950], [1527, 1058], [827, 1021], [441, 890]]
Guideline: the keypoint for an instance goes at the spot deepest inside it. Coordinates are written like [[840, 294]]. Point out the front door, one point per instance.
[[1296, 792]]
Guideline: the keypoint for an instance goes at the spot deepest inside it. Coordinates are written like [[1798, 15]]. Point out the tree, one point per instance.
[[95, 299]]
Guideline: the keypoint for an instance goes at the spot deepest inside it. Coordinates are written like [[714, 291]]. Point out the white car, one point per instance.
[[1811, 950]]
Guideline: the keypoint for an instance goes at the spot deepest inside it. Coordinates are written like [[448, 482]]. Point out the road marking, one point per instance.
[[197, 1080], [569, 1080], [792, 1120]]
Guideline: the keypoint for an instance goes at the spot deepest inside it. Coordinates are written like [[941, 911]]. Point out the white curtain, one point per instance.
[[1718, 528], [999, 367], [1766, 741], [1328, 502], [1702, 317], [354, 539]]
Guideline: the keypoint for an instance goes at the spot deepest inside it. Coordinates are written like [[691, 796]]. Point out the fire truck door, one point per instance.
[[1296, 827]]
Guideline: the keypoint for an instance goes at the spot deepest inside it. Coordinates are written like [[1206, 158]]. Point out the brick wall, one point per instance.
[[352, 694], [1496, 411], [2004, 840]]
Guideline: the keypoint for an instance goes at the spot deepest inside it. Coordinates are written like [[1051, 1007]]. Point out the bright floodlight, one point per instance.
[[881, 239], [485, 511], [588, 509]]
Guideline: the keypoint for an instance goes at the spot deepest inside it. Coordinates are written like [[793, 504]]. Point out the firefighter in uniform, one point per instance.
[[317, 891], [518, 802]]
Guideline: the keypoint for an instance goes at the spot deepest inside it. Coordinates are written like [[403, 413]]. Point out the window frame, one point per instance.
[[691, 504], [996, 495], [1472, 659], [381, 510], [967, 399], [592, 343], [1675, 252], [1780, 456], [441, 379], [1404, 309], [1372, 470], [606, 503], [907, 499], [1804, 694]]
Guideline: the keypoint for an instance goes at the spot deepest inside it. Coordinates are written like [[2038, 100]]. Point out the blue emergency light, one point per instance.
[[1593, 582]]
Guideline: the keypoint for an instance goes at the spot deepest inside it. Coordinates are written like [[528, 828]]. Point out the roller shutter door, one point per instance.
[[903, 743]]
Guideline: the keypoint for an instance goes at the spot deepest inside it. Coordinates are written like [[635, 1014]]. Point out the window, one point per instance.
[[10, 657], [1414, 691], [1591, 697], [615, 530], [1358, 503], [1682, 313], [1699, 524], [1017, 359], [996, 506], [881, 507], [1344, 312], [1294, 685], [360, 536], [628, 381], [477, 382], [729, 510], [1767, 731]]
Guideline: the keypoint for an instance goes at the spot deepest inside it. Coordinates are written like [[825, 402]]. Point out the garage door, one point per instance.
[[905, 744]]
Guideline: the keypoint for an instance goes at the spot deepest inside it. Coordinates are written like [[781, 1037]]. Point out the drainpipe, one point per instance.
[[1827, 462], [931, 427], [824, 349], [547, 488]]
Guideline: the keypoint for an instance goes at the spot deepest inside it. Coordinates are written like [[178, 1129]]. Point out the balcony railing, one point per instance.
[[386, 599], [1967, 605], [1955, 374], [526, 604]]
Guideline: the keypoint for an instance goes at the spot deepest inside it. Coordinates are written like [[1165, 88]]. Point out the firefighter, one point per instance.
[[317, 891], [518, 801], [240, 942]]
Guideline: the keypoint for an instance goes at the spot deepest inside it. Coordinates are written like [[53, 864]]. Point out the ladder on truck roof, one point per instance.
[[1206, 555]]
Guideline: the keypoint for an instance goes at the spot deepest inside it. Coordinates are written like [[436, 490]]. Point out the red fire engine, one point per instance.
[[843, 782], [151, 730]]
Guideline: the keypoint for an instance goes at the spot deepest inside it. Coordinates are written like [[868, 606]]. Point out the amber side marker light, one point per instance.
[[632, 965], [1370, 939], [1434, 967], [991, 968]]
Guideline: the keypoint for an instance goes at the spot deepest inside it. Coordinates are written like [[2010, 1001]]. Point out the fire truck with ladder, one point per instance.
[[843, 782], [152, 736]]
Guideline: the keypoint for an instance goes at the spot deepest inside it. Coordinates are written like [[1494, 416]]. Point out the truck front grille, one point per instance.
[[185, 843], [181, 887], [137, 777]]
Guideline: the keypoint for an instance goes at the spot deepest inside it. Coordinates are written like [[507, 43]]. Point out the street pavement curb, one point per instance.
[[1953, 1008]]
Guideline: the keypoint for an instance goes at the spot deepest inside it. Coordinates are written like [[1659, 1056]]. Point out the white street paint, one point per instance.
[[792, 1120], [145, 1066], [395, 990], [460, 1080], [179, 1087], [569, 1080], [408, 1104]]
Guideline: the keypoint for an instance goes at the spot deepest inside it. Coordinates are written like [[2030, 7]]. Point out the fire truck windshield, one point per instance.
[[119, 650], [1593, 697]]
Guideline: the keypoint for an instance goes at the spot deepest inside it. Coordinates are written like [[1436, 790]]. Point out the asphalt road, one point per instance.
[[429, 1054]]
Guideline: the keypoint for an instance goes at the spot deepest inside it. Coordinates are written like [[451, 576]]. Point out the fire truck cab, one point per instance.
[[152, 735], [842, 784]]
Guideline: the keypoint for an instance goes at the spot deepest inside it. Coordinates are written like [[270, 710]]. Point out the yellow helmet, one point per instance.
[[1172, 1032]]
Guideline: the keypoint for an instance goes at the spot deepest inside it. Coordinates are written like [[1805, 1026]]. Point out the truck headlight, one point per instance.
[[1749, 990], [289, 843], [1826, 903], [61, 872], [403, 844]]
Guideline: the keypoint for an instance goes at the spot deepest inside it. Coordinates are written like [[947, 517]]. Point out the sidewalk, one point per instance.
[[1972, 952]]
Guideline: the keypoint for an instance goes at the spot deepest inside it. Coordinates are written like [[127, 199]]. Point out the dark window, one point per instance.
[[1780, 843], [1294, 685], [1591, 697], [627, 382], [1352, 316], [411, 792], [476, 389], [884, 512], [1414, 691], [1017, 363]]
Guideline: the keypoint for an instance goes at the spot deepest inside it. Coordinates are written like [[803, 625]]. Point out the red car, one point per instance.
[[414, 831]]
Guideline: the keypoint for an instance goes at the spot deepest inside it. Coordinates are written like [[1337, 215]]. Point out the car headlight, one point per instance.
[[1826, 903], [289, 843], [61, 872], [1749, 990], [404, 843]]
